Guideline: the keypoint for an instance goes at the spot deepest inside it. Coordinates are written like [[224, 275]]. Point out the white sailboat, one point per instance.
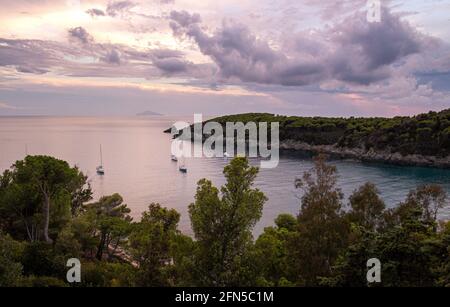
[[182, 166], [100, 169]]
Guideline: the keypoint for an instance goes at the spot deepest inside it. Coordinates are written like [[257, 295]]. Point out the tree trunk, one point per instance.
[[101, 247], [47, 218]]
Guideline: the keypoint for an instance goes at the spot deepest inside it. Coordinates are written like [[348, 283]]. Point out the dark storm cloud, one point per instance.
[[354, 50]]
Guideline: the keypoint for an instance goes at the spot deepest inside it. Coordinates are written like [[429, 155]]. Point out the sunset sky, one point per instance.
[[177, 57]]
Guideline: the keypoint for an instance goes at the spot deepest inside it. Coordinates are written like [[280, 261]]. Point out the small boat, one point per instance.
[[226, 155], [174, 158], [100, 169], [182, 166]]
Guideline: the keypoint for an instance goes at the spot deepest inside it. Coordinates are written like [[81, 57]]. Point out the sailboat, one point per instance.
[[182, 166], [100, 169]]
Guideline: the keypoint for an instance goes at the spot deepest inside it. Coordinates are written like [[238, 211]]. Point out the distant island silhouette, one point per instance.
[[149, 113]]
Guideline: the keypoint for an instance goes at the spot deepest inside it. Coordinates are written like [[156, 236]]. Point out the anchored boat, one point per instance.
[[100, 169]]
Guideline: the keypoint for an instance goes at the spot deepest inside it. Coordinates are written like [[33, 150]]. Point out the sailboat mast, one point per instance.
[[101, 156]]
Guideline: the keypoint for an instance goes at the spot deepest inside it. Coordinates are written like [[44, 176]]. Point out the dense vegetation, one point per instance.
[[47, 217], [425, 134]]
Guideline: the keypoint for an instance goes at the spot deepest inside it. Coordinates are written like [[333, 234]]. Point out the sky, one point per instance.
[[179, 57]]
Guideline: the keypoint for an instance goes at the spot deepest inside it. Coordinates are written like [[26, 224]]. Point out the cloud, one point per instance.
[[95, 12], [31, 56], [184, 19], [117, 7], [31, 70], [181, 20], [366, 50], [81, 35], [353, 50], [167, 53], [240, 54], [171, 65], [112, 57], [87, 58]]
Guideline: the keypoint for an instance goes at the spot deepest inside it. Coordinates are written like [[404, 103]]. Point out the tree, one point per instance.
[[182, 253], [286, 221], [81, 194], [322, 228], [40, 182], [425, 199], [429, 198], [222, 225], [41, 259], [107, 274], [270, 252], [20, 209], [111, 221], [443, 268], [366, 207], [150, 244], [410, 248], [10, 266]]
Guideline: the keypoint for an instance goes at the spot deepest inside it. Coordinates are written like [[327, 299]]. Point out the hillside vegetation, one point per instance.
[[425, 134]]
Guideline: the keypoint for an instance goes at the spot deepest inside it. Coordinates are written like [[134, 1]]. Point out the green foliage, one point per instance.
[[271, 252], [322, 229], [10, 266], [425, 134], [366, 207], [40, 259], [111, 223], [36, 196], [222, 225], [107, 274], [409, 246], [286, 221], [150, 245]]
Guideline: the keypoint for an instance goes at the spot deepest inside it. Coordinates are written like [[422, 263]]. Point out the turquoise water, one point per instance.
[[137, 161]]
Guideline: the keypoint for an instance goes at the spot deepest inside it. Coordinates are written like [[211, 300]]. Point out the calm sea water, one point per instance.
[[136, 156]]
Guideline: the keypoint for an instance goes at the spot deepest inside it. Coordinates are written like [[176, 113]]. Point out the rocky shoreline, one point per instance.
[[368, 155]]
